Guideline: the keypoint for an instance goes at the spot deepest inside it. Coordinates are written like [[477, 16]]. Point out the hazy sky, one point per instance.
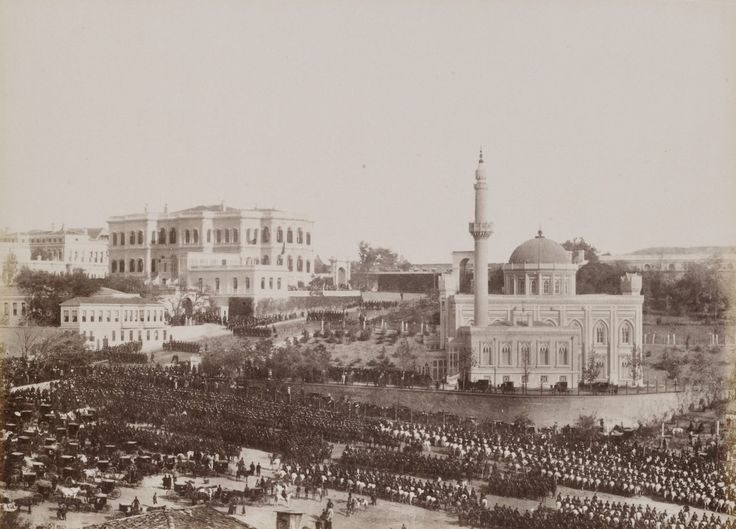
[[611, 120]]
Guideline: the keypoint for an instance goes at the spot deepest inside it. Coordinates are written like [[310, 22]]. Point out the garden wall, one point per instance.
[[543, 410]]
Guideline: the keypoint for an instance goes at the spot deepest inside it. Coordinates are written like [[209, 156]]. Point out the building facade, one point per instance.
[[675, 261], [198, 248], [12, 307], [539, 331], [111, 318], [58, 251]]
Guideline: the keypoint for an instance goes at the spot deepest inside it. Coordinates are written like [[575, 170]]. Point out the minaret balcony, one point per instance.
[[480, 230]]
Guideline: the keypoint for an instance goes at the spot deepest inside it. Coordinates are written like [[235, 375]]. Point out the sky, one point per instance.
[[610, 120]]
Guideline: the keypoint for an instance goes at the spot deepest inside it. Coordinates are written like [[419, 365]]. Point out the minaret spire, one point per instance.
[[481, 229]]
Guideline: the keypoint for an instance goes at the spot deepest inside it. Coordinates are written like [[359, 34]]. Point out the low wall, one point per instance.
[[547, 410]]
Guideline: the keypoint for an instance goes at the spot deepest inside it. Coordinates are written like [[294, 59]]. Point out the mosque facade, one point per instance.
[[539, 331]]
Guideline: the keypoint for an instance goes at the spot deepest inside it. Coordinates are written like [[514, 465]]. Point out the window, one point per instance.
[[155, 335], [235, 284], [307, 266], [289, 236], [270, 283], [309, 240], [140, 237], [140, 265], [148, 315], [247, 283], [140, 336], [164, 334], [600, 333], [626, 333], [545, 286], [255, 237], [279, 260], [525, 358], [534, 287], [563, 378], [266, 237], [557, 286], [155, 314], [148, 335], [218, 236], [279, 234], [122, 238], [263, 283], [114, 239], [299, 264], [172, 236], [195, 236], [153, 266], [91, 336], [266, 260], [506, 354], [153, 241], [130, 336], [114, 267], [217, 284], [562, 355], [99, 315], [290, 264], [299, 236], [209, 235], [108, 316], [84, 314], [74, 316], [117, 316], [113, 336], [278, 283], [544, 354], [543, 379], [487, 356], [131, 239], [162, 236], [187, 236], [131, 266], [66, 314], [199, 284]]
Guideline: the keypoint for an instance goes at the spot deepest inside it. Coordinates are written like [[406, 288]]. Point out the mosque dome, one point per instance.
[[540, 250]]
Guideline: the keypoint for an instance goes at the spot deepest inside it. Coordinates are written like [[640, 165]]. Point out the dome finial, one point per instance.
[[539, 233]]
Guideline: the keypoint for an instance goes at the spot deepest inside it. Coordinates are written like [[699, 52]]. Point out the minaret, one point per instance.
[[481, 229]]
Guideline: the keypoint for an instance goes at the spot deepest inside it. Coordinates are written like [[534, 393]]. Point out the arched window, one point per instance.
[[153, 266], [235, 284], [195, 236], [162, 236], [544, 354], [270, 283], [247, 283], [172, 236], [279, 234], [218, 236], [122, 238], [235, 235], [121, 267], [266, 237], [227, 236], [114, 240], [131, 266], [266, 260], [534, 286], [114, 267], [562, 355], [309, 238], [140, 265], [187, 237], [299, 236], [545, 286], [626, 333], [299, 264], [308, 266], [290, 263], [255, 236], [278, 283], [647, 267], [279, 260], [289, 236], [487, 356], [600, 333], [140, 237], [131, 238], [525, 358], [263, 283], [506, 354]]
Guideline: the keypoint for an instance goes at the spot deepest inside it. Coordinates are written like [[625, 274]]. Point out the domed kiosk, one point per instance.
[[539, 332]]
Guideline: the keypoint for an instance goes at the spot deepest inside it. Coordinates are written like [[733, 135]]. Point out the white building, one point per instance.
[[12, 307], [112, 318]]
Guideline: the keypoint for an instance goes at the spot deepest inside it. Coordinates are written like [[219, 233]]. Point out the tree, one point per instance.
[[406, 355], [379, 259], [701, 290], [592, 370], [10, 268], [599, 278], [579, 243], [635, 365], [46, 292], [131, 285]]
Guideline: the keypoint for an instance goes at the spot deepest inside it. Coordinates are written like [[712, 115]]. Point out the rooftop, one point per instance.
[[108, 300]]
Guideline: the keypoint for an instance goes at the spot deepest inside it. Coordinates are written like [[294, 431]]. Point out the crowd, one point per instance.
[[128, 353], [183, 347], [378, 305], [331, 316]]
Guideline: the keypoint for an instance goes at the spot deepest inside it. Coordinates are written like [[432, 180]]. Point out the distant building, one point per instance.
[[674, 260], [221, 251], [539, 331], [110, 317], [58, 251], [13, 307]]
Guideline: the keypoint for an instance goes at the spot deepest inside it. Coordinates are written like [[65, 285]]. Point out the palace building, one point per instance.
[[221, 250], [539, 331]]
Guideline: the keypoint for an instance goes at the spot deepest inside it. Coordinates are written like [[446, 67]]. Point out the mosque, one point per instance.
[[539, 331]]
